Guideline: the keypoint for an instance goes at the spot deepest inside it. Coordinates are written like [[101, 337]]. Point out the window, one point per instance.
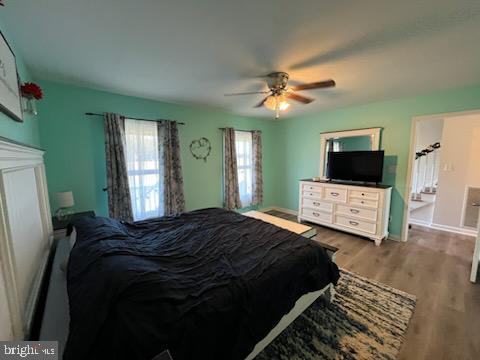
[[243, 142], [145, 176]]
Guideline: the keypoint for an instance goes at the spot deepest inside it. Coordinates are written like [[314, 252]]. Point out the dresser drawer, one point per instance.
[[312, 195], [368, 214], [364, 202], [357, 224], [369, 195], [312, 187], [320, 215], [335, 194], [317, 205]]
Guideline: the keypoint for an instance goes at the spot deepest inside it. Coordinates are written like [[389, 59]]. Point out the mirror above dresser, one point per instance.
[[347, 140]]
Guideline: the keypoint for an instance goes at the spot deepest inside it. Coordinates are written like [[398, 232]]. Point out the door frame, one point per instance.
[[475, 259], [411, 159]]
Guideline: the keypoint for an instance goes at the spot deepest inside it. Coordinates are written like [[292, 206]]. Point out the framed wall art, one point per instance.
[[200, 149], [10, 97]]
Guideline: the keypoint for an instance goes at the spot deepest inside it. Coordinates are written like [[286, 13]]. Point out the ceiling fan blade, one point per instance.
[[315, 85], [299, 98], [247, 93], [260, 104]]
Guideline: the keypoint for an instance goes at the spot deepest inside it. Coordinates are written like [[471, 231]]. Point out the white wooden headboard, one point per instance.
[[25, 236]]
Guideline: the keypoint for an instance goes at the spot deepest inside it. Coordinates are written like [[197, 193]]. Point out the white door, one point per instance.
[[476, 253]]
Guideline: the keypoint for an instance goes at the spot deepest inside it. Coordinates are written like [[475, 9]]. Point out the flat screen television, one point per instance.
[[365, 166]]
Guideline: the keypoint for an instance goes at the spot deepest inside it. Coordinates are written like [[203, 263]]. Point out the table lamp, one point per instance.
[[65, 203]]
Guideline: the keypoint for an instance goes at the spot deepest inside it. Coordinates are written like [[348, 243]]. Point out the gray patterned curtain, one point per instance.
[[257, 196], [119, 201], [169, 155], [231, 192]]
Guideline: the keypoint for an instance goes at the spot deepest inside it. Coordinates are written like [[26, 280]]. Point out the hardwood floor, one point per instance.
[[434, 266]]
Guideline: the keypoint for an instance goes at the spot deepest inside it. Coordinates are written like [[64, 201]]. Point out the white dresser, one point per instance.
[[359, 209]]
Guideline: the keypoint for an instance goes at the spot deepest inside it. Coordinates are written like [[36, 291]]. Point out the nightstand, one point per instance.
[[60, 226]]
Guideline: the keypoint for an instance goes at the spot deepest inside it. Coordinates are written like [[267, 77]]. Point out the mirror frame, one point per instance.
[[374, 134]]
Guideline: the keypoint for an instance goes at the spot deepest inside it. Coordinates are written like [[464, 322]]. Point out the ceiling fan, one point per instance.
[[279, 92]]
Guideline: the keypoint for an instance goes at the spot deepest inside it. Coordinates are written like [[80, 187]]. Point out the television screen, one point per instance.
[[366, 166]]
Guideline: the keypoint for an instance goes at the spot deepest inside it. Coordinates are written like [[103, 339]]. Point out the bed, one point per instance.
[[205, 284]]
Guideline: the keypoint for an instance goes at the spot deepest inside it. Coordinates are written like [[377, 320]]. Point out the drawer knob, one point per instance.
[[355, 211], [316, 203], [316, 214], [354, 223], [334, 194], [363, 202]]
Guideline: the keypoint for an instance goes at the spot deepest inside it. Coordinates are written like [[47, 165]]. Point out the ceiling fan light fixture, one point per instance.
[[271, 102], [276, 102], [283, 106]]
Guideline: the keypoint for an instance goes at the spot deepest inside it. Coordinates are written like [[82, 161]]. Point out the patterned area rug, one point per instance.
[[366, 320]]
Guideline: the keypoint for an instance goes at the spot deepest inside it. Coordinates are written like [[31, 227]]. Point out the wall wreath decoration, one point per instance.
[[201, 148]]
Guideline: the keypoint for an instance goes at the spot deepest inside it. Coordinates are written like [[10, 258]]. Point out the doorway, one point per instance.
[[444, 175], [443, 178]]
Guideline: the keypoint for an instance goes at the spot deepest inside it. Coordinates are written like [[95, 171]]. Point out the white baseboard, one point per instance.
[[454, 229], [447, 228], [420, 222]]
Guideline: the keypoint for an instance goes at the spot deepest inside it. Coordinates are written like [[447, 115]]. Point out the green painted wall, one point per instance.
[[75, 158], [26, 132], [300, 139]]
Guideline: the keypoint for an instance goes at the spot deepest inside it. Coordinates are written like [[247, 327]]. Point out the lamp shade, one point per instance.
[[64, 199]]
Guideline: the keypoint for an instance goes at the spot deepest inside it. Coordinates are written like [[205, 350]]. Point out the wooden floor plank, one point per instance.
[[433, 265]]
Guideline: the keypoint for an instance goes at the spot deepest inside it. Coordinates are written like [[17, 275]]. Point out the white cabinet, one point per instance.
[[358, 209]]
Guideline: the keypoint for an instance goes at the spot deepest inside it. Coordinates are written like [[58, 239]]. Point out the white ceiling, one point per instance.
[[194, 51]]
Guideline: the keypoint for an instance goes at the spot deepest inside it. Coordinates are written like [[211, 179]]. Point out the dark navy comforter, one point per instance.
[[208, 284]]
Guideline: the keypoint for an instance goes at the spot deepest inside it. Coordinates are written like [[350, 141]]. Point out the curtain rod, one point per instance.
[[240, 130], [128, 117]]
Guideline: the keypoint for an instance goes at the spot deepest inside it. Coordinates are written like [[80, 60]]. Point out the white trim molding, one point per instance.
[[374, 134], [420, 222], [25, 235], [454, 229]]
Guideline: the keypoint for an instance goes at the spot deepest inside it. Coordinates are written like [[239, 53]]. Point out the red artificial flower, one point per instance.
[[30, 90]]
